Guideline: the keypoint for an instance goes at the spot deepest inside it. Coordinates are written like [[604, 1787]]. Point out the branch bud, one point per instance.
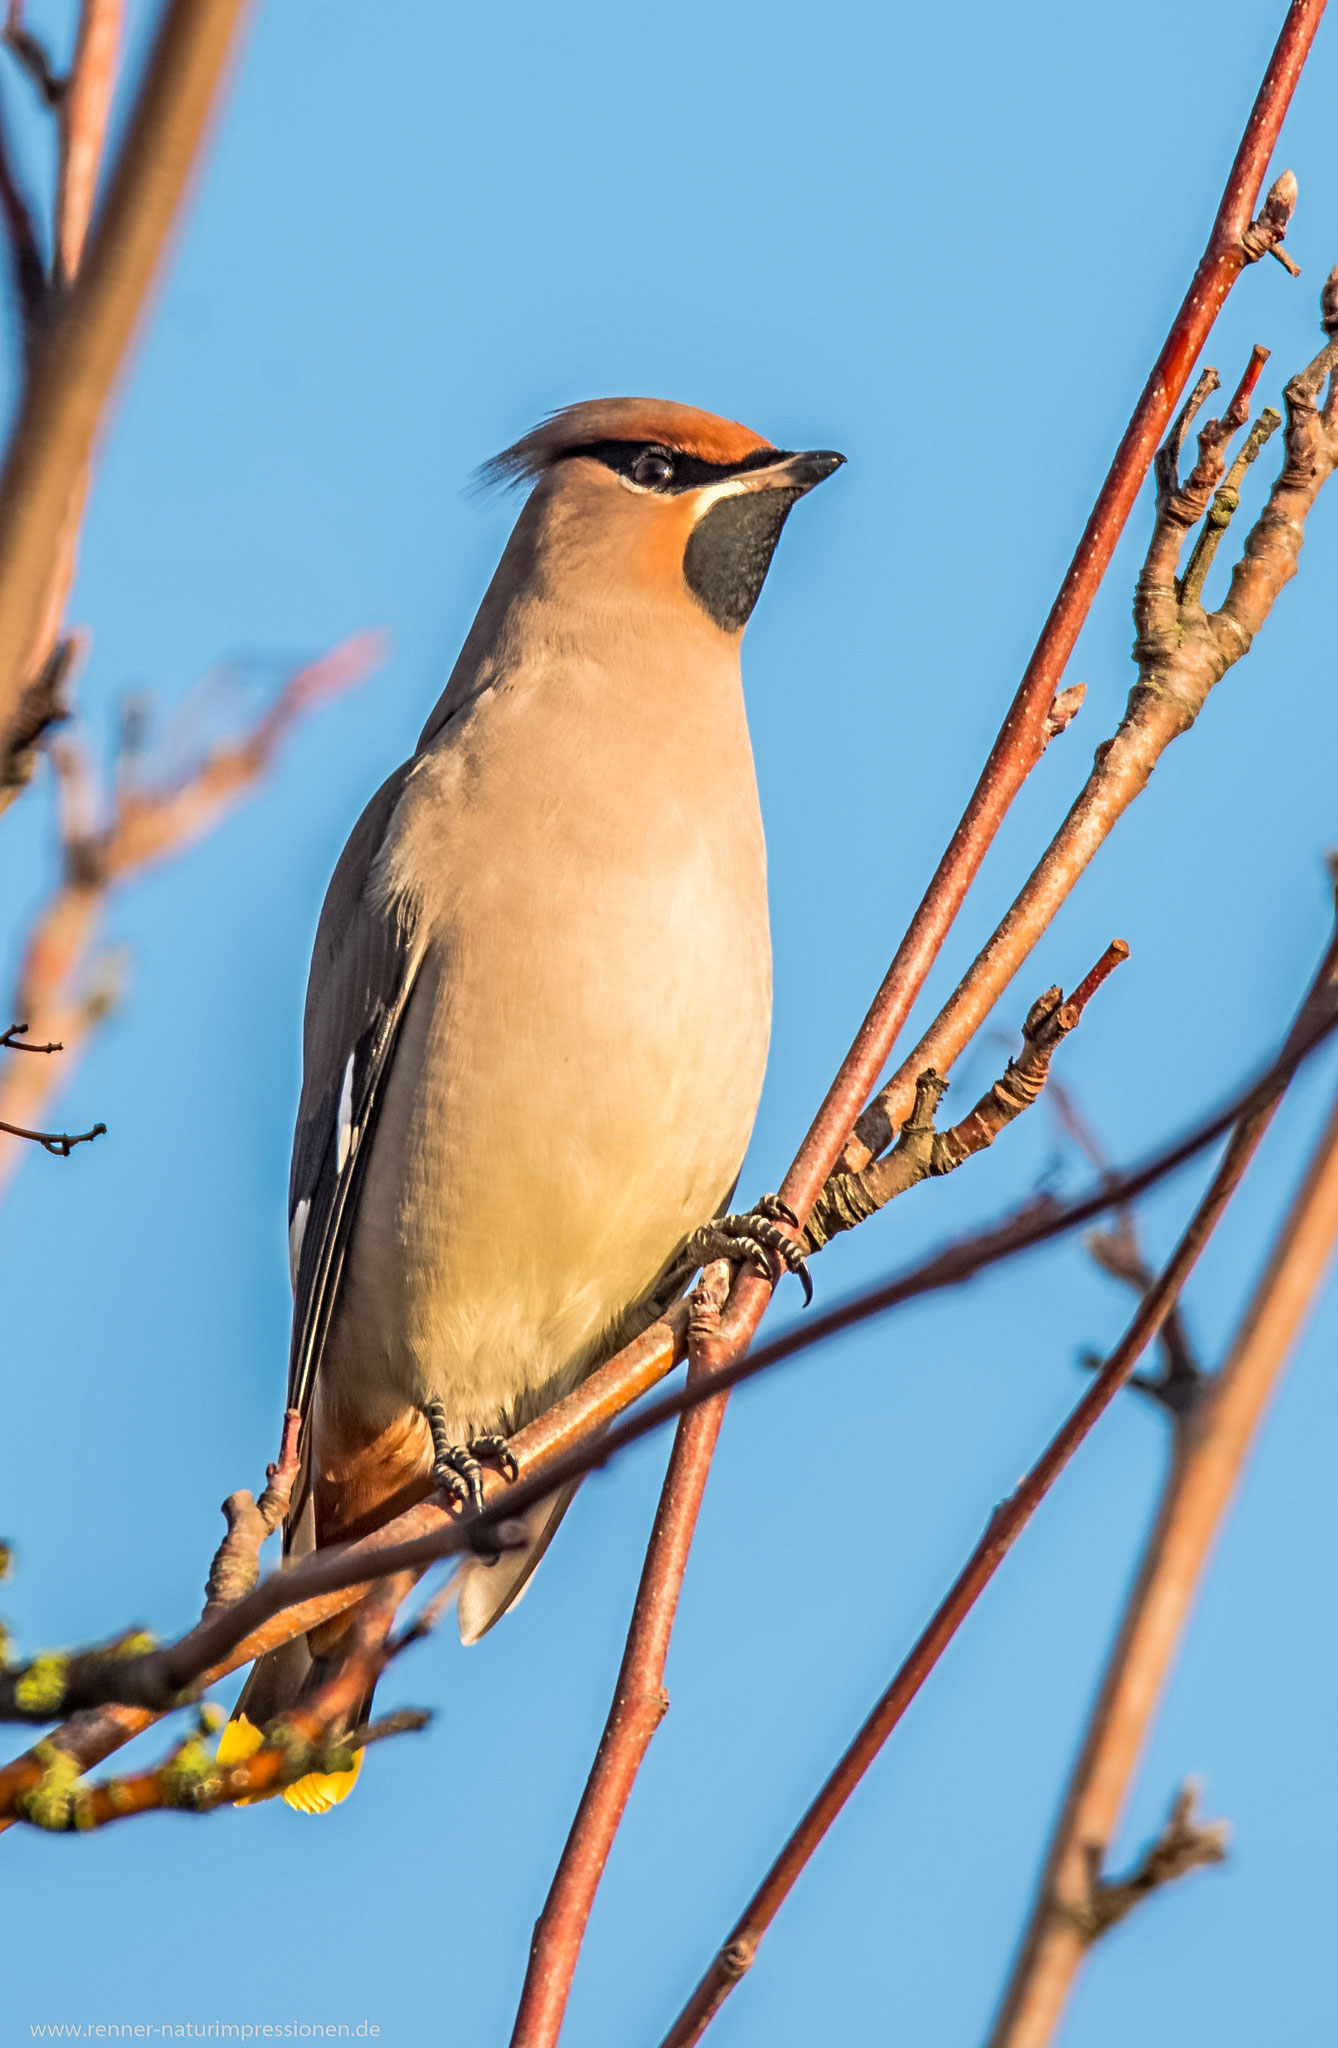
[[1280, 204], [1263, 237]]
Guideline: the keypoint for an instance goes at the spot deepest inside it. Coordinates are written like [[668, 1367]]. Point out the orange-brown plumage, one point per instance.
[[659, 420]]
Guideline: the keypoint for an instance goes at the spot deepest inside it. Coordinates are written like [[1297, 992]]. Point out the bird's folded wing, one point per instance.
[[362, 976]]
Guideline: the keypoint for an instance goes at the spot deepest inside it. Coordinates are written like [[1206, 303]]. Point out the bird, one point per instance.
[[539, 1003]]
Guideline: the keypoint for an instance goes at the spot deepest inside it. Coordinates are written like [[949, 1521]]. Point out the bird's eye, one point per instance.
[[653, 468]]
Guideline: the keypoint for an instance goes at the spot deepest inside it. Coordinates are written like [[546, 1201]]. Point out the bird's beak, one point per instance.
[[792, 472]]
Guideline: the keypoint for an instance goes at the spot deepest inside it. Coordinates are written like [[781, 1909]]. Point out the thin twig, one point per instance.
[[60, 1143], [12, 1041], [739, 1950], [1211, 1445]]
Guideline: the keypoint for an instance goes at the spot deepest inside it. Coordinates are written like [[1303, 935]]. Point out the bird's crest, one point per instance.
[[655, 420]]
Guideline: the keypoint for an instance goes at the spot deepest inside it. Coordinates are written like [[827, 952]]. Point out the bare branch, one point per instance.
[[1184, 1844], [12, 1041], [920, 1150], [1182, 653], [61, 1143]]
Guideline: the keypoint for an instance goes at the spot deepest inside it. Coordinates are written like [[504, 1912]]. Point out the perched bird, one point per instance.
[[540, 997]]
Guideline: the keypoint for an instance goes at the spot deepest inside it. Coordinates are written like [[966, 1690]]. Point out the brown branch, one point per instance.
[[56, 992], [236, 1565], [1182, 652], [737, 1954], [88, 333], [1212, 1442], [921, 1151], [1184, 1844]]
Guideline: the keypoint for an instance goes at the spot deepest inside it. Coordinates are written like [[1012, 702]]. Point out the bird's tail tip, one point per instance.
[[316, 1792]]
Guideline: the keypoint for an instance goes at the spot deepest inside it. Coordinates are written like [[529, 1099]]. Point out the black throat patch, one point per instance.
[[729, 552]]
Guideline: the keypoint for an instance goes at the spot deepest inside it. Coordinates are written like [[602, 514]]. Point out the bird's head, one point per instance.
[[662, 499]]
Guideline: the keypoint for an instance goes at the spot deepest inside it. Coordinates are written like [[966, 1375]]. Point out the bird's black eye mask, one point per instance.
[[656, 467], [729, 549]]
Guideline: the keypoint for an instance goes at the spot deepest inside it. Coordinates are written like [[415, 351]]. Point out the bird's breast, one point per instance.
[[583, 1053]]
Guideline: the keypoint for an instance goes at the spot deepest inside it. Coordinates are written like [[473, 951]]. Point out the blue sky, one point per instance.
[[949, 245]]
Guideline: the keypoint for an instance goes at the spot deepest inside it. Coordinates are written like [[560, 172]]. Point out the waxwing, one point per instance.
[[537, 1017]]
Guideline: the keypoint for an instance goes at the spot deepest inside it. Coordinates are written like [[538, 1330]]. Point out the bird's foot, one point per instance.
[[457, 1469], [754, 1238]]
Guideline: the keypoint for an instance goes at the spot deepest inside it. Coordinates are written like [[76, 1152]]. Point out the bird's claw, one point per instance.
[[754, 1238], [495, 1450], [457, 1469]]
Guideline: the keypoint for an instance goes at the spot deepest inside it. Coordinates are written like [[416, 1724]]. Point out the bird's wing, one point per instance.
[[362, 975]]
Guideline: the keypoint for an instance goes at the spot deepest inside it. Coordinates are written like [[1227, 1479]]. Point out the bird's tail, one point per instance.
[[488, 1586]]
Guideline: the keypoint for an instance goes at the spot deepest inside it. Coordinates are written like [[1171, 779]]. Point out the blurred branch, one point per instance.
[[739, 1950], [1212, 1440], [87, 324], [84, 109], [25, 256], [58, 994]]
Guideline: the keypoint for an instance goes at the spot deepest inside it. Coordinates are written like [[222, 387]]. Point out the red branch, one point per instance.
[[640, 1701]]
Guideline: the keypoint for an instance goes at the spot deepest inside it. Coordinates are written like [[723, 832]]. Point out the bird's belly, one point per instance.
[[574, 1108]]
